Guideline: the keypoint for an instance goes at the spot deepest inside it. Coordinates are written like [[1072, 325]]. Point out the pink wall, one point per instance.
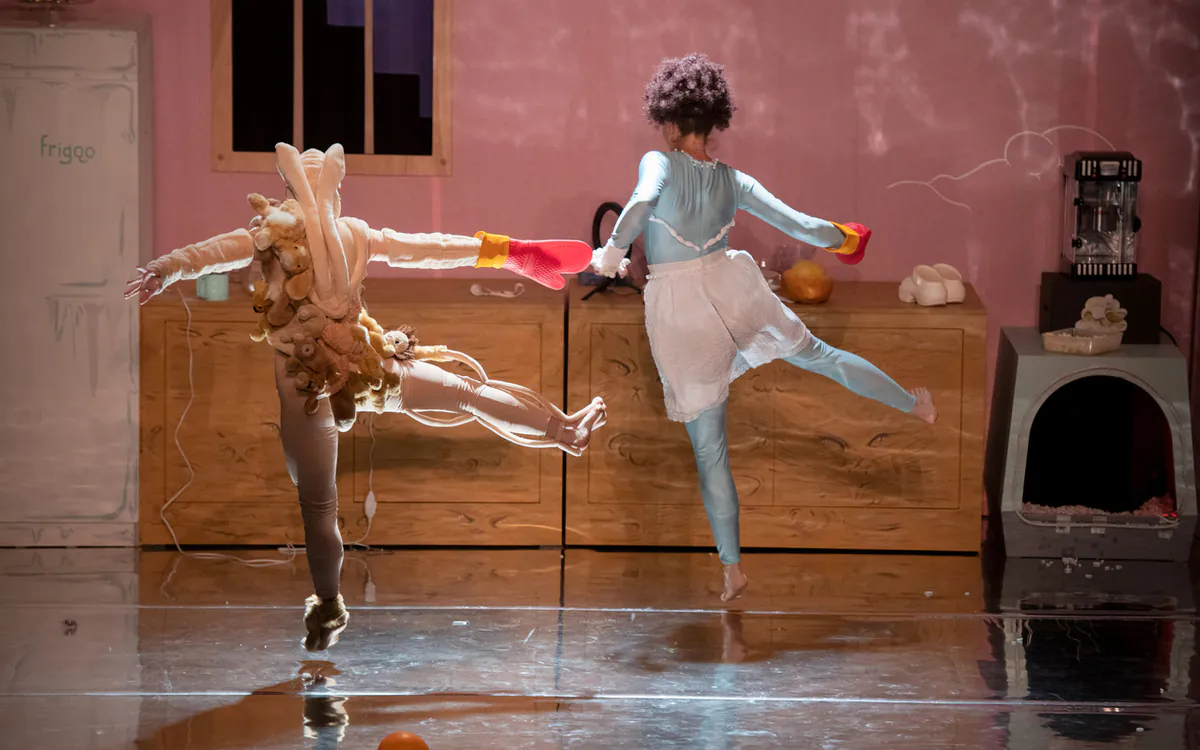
[[839, 100]]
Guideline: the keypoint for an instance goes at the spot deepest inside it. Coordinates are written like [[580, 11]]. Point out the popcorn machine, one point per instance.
[[1100, 221]]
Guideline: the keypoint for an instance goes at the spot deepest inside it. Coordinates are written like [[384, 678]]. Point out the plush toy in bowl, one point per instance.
[[807, 283]]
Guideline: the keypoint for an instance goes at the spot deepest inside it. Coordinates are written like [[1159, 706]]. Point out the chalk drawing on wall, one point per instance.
[[1007, 159], [105, 90], [1024, 36], [885, 73], [9, 95], [76, 311], [74, 316]]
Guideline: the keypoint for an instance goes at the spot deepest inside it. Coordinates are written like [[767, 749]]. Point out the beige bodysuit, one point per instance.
[[334, 360]]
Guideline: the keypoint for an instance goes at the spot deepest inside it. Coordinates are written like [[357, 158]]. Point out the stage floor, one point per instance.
[[112, 649]]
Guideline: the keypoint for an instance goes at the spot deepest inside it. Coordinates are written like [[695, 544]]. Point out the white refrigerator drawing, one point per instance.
[[75, 150]]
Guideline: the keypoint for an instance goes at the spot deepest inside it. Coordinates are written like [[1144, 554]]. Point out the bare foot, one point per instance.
[[735, 582], [325, 620], [924, 409], [576, 434]]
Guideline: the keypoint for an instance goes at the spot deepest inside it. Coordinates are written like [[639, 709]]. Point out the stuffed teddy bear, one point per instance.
[[345, 410], [307, 323], [261, 305], [281, 230], [307, 381], [272, 299], [376, 335], [311, 354], [276, 221], [403, 340], [370, 362]]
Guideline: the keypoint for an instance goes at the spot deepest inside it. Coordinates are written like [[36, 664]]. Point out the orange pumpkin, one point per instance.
[[807, 283], [403, 741]]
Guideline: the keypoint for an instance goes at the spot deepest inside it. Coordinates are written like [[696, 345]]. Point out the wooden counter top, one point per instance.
[[849, 298], [439, 292]]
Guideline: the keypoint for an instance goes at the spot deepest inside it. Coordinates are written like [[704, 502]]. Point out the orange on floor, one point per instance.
[[403, 741]]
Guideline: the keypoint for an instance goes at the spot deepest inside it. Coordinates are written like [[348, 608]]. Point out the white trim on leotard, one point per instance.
[[719, 236], [710, 164]]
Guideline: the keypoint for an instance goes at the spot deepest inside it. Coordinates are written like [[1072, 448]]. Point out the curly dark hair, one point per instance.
[[690, 92]]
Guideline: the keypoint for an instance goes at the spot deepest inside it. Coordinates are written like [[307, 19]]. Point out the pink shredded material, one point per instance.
[[1155, 506]]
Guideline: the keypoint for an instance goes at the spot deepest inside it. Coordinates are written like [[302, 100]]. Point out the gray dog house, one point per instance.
[[1091, 457]]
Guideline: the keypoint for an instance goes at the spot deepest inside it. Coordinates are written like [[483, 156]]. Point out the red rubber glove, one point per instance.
[[857, 236], [545, 261]]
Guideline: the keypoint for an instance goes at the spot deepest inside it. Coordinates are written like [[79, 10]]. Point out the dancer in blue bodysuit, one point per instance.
[[710, 315]]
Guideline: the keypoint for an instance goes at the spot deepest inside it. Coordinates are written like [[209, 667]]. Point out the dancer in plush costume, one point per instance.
[[333, 360], [710, 315]]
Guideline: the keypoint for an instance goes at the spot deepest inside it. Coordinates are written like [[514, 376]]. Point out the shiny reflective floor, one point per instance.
[[112, 649]]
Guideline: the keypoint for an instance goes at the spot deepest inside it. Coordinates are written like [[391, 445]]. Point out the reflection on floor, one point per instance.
[[109, 649]]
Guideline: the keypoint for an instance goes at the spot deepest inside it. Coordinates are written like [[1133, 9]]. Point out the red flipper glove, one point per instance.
[[545, 261], [854, 248]]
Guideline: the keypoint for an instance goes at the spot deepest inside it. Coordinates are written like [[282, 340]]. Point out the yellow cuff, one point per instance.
[[850, 245], [493, 252]]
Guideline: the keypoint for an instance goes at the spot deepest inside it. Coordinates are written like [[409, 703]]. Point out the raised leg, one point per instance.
[[863, 378], [717, 488], [428, 388], [310, 448]]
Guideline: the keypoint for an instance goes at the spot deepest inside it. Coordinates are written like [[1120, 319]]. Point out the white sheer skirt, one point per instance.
[[710, 320]]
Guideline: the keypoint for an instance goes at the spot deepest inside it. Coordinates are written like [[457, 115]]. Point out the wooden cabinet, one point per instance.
[[434, 486], [816, 466]]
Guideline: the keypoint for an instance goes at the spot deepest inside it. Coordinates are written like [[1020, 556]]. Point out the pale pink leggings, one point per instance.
[[310, 444]]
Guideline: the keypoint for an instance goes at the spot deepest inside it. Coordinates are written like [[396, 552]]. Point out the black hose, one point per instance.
[[598, 219], [1173, 341]]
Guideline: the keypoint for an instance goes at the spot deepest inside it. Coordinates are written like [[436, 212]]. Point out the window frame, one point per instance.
[[225, 159]]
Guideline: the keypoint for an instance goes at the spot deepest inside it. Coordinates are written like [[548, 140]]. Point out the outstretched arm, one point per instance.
[[846, 240], [221, 254], [434, 251], [757, 200], [652, 177], [543, 261]]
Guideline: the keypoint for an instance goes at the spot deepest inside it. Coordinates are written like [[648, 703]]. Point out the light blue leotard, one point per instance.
[[686, 208], [684, 205]]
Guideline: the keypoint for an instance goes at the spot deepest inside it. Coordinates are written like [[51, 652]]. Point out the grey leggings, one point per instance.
[[707, 433], [310, 445]]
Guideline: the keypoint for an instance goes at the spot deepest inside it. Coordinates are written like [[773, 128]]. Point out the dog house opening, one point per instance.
[[1100, 446]]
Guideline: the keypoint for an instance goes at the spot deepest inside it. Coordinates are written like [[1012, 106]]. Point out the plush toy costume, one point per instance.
[[710, 315], [334, 360]]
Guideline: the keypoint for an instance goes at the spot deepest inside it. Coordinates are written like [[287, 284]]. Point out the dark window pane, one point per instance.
[[399, 127], [262, 46], [403, 61], [334, 73]]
